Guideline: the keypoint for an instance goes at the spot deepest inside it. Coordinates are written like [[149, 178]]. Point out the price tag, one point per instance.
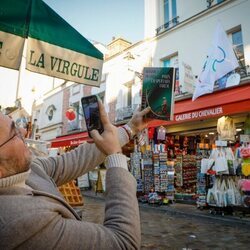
[[221, 143]]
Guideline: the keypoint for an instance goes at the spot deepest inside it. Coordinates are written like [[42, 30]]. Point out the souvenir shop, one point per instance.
[[202, 157]]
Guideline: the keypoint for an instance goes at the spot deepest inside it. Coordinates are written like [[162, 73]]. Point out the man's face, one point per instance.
[[15, 156]]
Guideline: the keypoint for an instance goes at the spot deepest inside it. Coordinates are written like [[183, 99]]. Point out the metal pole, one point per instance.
[[18, 82]]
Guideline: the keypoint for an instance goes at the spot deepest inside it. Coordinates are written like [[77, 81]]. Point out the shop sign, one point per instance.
[[76, 142], [199, 114]]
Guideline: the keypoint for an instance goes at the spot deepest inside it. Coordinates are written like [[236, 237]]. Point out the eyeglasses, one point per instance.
[[16, 133]]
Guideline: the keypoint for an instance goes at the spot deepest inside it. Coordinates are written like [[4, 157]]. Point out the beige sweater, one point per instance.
[[37, 217]]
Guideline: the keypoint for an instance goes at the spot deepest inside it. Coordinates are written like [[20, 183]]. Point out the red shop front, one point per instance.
[[71, 140], [231, 101]]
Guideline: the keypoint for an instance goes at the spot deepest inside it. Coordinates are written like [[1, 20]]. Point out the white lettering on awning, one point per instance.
[[199, 114]]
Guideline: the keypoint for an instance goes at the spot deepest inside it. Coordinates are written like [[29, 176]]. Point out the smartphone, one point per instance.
[[91, 112]]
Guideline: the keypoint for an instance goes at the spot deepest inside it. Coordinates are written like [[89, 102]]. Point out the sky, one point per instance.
[[100, 20], [97, 20]]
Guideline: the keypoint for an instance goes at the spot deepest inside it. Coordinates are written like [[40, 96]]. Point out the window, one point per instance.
[[238, 47], [174, 10], [170, 13], [50, 111], [166, 11], [129, 96], [174, 62]]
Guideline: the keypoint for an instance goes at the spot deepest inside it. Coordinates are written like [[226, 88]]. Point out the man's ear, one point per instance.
[[1, 173]]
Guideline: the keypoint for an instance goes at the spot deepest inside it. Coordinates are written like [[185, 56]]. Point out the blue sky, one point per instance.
[[100, 20]]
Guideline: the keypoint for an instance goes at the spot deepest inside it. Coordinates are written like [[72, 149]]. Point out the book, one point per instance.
[[158, 92]]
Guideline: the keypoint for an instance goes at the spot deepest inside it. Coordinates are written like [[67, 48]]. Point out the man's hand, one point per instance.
[[138, 121], [108, 141]]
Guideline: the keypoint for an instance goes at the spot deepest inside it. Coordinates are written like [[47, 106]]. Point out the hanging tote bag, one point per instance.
[[220, 164], [230, 193], [221, 193], [206, 164], [237, 194], [212, 198]]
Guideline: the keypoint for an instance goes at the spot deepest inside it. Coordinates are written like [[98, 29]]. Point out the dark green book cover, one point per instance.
[[158, 92]]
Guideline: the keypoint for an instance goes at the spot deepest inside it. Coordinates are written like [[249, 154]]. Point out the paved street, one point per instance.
[[164, 230]]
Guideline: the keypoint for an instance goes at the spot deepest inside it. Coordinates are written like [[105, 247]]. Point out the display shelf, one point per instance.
[[135, 162]]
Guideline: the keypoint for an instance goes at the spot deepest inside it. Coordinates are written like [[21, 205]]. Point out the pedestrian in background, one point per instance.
[[33, 213]]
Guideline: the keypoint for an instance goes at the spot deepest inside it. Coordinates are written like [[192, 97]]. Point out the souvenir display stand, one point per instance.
[[135, 162], [186, 177], [229, 191], [154, 175], [203, 180], [170, 191], [147, 170]]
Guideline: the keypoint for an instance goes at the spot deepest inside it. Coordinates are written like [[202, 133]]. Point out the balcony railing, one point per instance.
[[167, 25]]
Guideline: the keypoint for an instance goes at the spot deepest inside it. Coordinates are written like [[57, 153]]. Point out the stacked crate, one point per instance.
[[71, 193]]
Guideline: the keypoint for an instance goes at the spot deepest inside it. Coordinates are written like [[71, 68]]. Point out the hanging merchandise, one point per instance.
[[151, 132], [245, 167], [135, 161], [212, 195], [161, 133], [220, 163], [244, 152], [206, 164], [226, 128], [156, 171], [223, 158], [223, 193], [170, 181], [178, 171], [147, 169], [163, 172], [244, 185], [247, 125]]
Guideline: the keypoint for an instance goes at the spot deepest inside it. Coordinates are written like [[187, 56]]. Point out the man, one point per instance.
[[33, 214]]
